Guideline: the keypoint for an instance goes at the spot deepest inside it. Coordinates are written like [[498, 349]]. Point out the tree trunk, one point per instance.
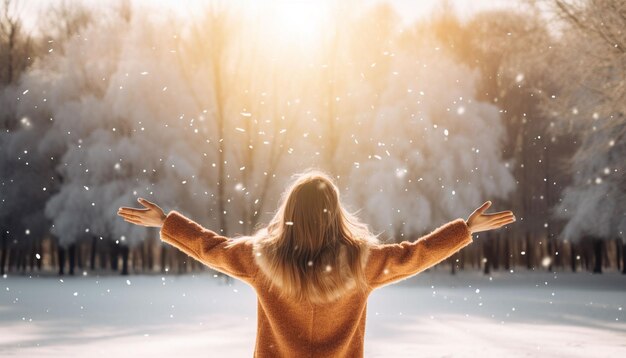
[[125, 251], [462, 256], [25, 251], [478, 258], [79, 256], [182, 262], [104, 259], [163, 258], [19, 257], [53, 257], [134, 254], [529, 251], [142, 256], [507, 254], [558, 255], [72, 257], [453, 264], [92, 258], [606, 261], [550, 248], [597, 250], [618, 253], [585, 254], [82, 255], [3, 255], [61, 259], [31, 257], [623, 258], [114, 257], [40, 250], [573, 256], [25, 259], [487, 255], [12, 255], [495, 251], [150, 256]]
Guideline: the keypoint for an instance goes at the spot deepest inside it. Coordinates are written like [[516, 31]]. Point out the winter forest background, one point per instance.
[[209, 108]]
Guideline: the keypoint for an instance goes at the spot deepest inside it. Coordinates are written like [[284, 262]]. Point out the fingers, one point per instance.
[[499, 214], [129, 216], [127, 210], [146, 203], [480, 210], [484, 207], [136, 216], [500, 217], [503, 222], [136, 222]]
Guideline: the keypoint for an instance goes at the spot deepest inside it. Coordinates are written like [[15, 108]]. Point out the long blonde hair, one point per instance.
[[313, 248]]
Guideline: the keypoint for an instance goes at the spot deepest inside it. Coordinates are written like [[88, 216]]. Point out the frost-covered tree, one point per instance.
[[590, 101], [29, 163], [509, 47], [431, 151], [20, 171], [595, 204], [121, 126]]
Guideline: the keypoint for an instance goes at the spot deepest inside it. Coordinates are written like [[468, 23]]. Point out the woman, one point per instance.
[[314, 266]]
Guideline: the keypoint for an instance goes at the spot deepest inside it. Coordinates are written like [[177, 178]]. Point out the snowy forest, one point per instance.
[[210, 109]]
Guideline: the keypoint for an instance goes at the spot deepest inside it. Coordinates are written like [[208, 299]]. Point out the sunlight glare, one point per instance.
[[299, 20]]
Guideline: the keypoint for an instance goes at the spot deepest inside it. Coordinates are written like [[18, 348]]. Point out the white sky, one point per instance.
[[410, 10], [415, 9]]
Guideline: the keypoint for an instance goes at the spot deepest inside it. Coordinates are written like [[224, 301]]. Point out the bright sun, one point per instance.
[[299, 20], [296, 22]]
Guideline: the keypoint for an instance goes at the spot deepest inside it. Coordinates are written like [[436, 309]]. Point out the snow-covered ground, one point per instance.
[[431, 315]]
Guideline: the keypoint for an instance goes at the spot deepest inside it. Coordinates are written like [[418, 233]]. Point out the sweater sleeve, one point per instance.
[[388, 263], [230, 256]]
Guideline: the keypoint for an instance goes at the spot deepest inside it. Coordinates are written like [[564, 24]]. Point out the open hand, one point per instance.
[[479, 221], [152, 215]]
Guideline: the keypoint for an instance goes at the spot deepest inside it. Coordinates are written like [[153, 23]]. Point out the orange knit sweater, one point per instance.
[[290, 329]]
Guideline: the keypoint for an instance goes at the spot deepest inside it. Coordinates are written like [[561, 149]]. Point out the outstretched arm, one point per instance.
[[232, 257], [389, 263]]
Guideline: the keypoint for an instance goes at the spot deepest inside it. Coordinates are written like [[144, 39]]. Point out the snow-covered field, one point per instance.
[[431, 315]]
